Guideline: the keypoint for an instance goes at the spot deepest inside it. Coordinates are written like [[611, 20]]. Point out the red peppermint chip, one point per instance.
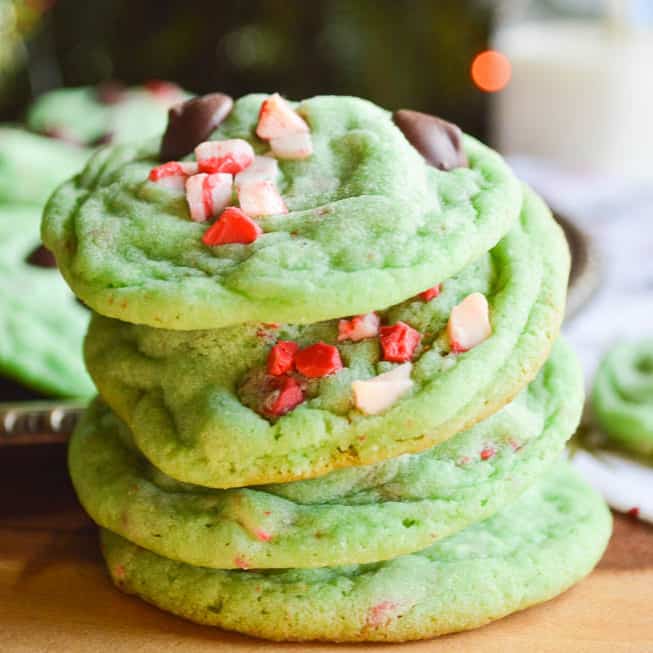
[[318, 360], [487, 453], [281, 357], [431, 293], [233, 226], [286, 395], [399, 342]]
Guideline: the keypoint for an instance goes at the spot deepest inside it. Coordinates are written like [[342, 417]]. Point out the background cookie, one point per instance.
[[547, 540], [622, 397], [41, 324], [369, 224], [107, 113]]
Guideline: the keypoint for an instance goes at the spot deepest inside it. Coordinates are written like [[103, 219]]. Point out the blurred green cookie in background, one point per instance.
[[622, 398], [41, 324], [32, 166], [534, 549], [106, 113]]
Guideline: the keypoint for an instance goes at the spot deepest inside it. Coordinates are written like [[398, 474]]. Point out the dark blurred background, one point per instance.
[[398, 53]]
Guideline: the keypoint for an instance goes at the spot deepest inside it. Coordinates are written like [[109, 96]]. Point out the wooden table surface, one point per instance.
[[55, 596]]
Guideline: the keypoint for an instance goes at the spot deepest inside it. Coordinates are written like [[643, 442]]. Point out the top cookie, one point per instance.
[[106, 113], [369, 223]]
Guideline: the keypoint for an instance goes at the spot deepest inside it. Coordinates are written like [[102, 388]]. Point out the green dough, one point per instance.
[[369, 224], [41, 324], [32, 166], [356, 515], [535, 549], [622, 398], [178, 391], [137, 115]]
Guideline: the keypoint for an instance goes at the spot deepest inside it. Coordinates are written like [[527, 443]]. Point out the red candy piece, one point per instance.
[[231, 156], [431, 293], [162, 88], [318, 360], [286, 395], [399, 342], [281, 357], [233, 226], [487, 453]]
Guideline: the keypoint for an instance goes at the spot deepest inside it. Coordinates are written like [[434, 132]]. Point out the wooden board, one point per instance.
[[55, 596]]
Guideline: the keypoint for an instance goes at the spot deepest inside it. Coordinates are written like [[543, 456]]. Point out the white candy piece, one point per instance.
[[260, 198], [264, 168], [208, 195], [469, 323], [173, 175], [292, 146], [359, 327], [277, 118], [230, 156], [376, 395]]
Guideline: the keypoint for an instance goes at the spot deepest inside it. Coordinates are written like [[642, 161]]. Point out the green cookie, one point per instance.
[[356, 515], [535, 549], [90, 115], [622, 398], [41, 324], [369, 224], [186, 396], [32, 166]]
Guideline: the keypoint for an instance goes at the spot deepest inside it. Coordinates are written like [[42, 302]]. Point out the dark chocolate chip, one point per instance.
[[103, 139], [42, 257], [191, 122], [110, 92], [438, 141]]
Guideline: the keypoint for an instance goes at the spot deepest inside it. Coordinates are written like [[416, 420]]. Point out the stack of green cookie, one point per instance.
[[341, 419], [42, 327]]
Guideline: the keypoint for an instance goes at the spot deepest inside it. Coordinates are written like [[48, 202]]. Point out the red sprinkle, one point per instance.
[[399, 342], [487, 453], [169, 169], [161, 87], [233, 226], [281, 357], [380, 613], [241, 563], [633, 512], [262, 535], [431, 293], [287, 394], [318, 360]]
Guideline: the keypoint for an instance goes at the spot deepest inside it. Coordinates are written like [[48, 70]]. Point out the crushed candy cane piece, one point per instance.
[[231, 156], [281, 358], [292, 146], [431, 293], [399, 342], [380, 614], [163, 90], [318, 360], [487, 453], [240, 562], [262, 535], [375, 395], [277, 118], [207, 195], [469, 323], [286, 395], [233, 226], [263, 168], [173, 174], [359, 327], [261, 198]]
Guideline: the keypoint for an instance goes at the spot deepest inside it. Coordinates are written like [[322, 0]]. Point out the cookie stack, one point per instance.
[[333, 402]]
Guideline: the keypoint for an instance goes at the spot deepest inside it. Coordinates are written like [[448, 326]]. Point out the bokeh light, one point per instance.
[[491, 71]]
